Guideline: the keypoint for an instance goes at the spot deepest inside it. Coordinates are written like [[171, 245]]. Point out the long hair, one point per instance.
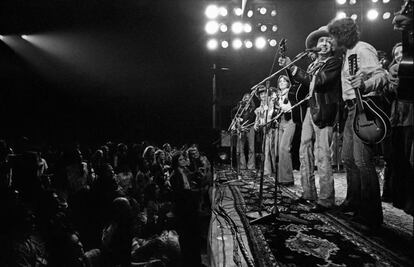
[[286, 78], [174, 160], [345, 31]]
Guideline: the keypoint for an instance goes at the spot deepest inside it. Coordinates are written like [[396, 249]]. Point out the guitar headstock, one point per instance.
[[353, 64], [282, 47]]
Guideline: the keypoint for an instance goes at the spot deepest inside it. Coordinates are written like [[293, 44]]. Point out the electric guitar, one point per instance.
[[371, 124]]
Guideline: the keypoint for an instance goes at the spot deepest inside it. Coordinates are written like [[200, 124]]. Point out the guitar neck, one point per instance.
[[359, 100]]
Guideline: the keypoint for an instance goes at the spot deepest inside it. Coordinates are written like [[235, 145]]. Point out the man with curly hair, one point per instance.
[[363, 189]]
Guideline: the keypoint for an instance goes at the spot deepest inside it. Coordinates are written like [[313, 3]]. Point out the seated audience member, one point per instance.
[[186, 210], [124, 177], [120, 156], [117, 235], [164, 248], [160, 171], [71, 172], [148, 156], [103, 191], [168, 153]]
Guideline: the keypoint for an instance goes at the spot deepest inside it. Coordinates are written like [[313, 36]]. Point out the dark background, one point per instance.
[[98, 70]]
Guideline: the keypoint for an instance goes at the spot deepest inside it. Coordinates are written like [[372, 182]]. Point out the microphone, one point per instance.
[[314, 49]]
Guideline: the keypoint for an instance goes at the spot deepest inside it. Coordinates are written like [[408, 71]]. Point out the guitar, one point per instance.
[[371, 124]]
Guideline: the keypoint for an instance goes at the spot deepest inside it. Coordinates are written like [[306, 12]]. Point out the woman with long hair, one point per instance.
[[186, 210], [284, 133]]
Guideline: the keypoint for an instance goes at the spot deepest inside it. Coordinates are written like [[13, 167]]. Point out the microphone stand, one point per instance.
[[234, 126], [275, 211], [296, 59]]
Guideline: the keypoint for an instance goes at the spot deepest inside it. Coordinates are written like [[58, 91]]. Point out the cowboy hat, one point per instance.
[[313, 37]]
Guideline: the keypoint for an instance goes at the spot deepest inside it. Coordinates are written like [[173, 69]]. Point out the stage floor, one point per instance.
[[298, 237]]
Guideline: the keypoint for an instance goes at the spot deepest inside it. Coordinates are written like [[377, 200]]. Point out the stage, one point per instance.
[[298, 237]]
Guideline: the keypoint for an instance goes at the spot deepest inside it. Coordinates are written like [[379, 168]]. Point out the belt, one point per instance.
[[350, 102]]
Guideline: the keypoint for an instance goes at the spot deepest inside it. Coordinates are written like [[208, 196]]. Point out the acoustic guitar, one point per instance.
[[371, 124]]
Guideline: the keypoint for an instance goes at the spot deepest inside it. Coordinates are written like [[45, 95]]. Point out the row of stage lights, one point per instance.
[[213, 27], [372, 14], [353, 2], [213, 12], [259, 43], [255, 24]]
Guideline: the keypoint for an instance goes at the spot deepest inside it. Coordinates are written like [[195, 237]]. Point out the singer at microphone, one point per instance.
[[314, 49], [323, 81]]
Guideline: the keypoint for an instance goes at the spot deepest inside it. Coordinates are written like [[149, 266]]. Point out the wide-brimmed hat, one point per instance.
[[260, 88], [313, 37]]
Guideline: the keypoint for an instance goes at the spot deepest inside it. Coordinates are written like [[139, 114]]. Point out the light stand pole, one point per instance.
[[214, 97]]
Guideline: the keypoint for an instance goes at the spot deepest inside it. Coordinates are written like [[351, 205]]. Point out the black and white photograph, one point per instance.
[[211, 133]]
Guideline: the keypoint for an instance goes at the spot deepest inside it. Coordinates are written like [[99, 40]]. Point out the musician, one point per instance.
[[323, 80], [247, 135], [284, 132], [398, 182], [266, 108], [363, 191]]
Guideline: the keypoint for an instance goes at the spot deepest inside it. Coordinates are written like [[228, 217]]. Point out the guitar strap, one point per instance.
[[313, 70]]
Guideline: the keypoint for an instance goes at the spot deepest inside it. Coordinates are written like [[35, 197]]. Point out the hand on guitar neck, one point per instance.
[[357, 81], [370, 124]]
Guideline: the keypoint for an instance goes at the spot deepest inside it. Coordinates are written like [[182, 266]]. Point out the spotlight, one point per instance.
[[24, 36], [250, 13], [248, 44], [237, 27], [374, 1], [223, 27], [212, 27], [224, 44], [352, 2], [340, 15], [212, 12], [273, 42], [1, 37], [212, 44], [372, 14], [238, 11], [237, 43], [274, 28], [341, 2], [385, 1], [386, 15], [223, 11], [263, 28], [247, 27], [262, 10], [354, 16], [260, 42], [273, 13]]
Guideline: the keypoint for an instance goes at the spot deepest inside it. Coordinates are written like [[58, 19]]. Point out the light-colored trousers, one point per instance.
[[283, 143], [249, 138], [269, 152], [315, 143]]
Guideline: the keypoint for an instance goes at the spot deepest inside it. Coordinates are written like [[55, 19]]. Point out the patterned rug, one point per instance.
[[298, 237]]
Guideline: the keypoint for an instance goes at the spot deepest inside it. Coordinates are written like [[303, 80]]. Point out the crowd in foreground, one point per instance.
[[119, 205]]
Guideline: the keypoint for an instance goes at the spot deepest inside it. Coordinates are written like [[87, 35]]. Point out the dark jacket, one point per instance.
[[248, 115], [327, 91], [296, 93]]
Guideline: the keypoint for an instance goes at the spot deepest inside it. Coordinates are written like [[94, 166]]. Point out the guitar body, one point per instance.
[[371, 125]]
